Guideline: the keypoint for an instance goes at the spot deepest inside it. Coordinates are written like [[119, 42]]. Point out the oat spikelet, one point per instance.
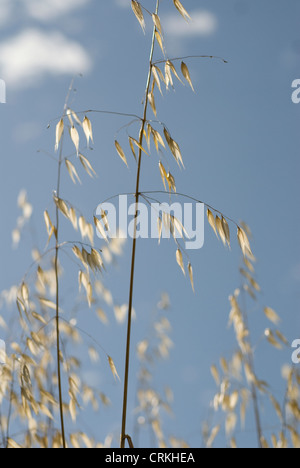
[[179, 260], [182, 10], [215, 374], [212, 222], [186, 74], [72, 171], [88, 131], [113, 368], [87, 166], [75, 138], [59, 132], [191, 275], [271, 315], [244, 243], [137, 10], [100, 228], [121, 152]]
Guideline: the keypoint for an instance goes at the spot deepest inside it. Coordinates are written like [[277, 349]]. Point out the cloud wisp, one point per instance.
[[48, 10], [204, 23], [29, 56]]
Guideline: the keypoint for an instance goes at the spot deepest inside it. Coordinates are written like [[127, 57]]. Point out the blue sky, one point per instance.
[[239, 135]]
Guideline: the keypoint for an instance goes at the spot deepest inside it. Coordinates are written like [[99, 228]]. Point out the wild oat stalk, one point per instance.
[[56, 269], [236, 389], [249, 359], [137, 194], [35, 403], [219, 224]]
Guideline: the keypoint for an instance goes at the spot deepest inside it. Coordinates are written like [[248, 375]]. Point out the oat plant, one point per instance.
[[41, 377], [44, 383], [239, 386], [161, 72]]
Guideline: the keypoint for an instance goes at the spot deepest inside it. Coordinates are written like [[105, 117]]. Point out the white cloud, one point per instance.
[[204, 23], [39, 10], [26, 58], [123, 3], [5, 11], [47, 10]]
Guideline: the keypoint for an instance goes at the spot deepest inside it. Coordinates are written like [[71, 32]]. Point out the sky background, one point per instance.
[[239, 135]]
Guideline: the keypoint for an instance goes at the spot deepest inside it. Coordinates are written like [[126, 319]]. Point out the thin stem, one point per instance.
[[57, 316], [190, 57], [56, 269], [256, 409], [96, 111], [124, 436], [250, 359], [175, 194], [10, 404], [2, 430], [284, 413], [193, 199]]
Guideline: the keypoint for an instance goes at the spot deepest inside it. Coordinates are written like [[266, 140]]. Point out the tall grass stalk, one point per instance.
[[133, 256], [56, 269]]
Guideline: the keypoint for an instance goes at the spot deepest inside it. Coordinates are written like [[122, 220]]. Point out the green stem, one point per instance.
[[250, 359], [57, 313], [137, 193], [56, 269]]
